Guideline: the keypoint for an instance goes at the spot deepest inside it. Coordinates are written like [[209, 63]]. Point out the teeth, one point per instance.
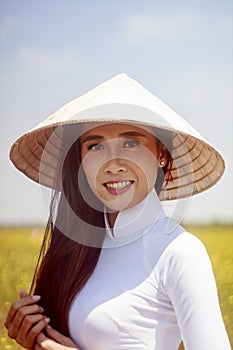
[[118, 185]]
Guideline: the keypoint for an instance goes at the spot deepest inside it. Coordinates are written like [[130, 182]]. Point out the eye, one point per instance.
[[131, 143], [95, 147]]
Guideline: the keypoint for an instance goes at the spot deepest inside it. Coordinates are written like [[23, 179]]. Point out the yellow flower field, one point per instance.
[[18, 254]]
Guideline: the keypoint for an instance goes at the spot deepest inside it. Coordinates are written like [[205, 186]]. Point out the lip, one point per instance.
[[118, 187]]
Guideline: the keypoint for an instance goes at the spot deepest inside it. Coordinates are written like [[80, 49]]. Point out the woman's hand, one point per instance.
[[25, 320], [54, 341]]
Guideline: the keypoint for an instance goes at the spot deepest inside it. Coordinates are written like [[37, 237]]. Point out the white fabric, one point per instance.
[[121, 89], [150, 293], [129, 225]]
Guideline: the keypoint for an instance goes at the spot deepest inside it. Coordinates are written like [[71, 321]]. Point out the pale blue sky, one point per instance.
[[53, 51]]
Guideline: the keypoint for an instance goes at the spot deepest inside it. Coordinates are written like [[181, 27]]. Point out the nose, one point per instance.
[[115, 166]]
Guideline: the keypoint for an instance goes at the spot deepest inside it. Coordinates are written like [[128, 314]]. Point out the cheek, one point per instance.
[[148, 162], [90, 169], [147, 165]]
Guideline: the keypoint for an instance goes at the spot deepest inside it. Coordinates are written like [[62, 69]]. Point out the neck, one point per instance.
[[112, 218], [129, 224]]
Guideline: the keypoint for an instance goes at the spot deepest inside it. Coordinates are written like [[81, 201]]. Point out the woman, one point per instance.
[[114, 271]]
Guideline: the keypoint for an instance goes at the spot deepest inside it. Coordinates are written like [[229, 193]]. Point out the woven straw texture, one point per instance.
[[196, 165]]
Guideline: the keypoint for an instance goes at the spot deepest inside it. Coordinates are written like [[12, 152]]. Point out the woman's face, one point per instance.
[[120, 162]]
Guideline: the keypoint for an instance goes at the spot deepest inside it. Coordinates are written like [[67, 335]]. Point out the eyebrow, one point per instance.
[[131, 133], [92, 138], [125, 134]]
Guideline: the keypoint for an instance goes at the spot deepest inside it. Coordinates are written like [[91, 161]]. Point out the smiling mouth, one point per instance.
[[118, 187]]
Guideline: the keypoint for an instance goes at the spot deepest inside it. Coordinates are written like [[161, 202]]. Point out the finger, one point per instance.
[[33, 333], [17, 305], [15, 326], [23, 293], [18, 330], [44, 342], [52, 333], [40, 338], [29, 322]]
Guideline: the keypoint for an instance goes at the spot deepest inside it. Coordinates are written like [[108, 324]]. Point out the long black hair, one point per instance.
[[65, 263]]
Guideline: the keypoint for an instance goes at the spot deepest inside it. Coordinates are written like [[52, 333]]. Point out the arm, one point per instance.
[[54, 341], [25, 320], [191, 287]]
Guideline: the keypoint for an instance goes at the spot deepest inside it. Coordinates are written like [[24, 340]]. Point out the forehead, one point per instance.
[[114, 130]]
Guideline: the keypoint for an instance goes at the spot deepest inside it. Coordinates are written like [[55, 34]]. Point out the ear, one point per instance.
[[163, 155]]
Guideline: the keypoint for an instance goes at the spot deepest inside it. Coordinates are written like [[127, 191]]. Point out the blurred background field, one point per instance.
[[19, 250]]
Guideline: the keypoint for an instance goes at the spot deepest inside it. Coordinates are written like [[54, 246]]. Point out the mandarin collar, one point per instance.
[[132, 223]]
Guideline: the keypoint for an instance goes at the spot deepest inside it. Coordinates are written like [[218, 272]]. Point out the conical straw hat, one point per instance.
[[196, 165]]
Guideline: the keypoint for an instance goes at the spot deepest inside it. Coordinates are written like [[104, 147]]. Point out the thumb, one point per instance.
[[23, 293]]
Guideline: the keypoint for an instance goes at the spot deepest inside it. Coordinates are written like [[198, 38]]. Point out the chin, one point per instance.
[[115, 206]]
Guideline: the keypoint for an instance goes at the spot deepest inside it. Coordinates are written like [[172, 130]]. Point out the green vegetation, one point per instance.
[[19, 249]]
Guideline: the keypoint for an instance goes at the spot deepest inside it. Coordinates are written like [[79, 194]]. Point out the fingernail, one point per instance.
[[47, 319], [36, 297]]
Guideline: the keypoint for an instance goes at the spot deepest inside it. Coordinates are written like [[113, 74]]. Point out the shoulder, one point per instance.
[[186, 244], [173, 240], [173, 246], [186, 251], [183, 267], [180, 250], [185, 261]]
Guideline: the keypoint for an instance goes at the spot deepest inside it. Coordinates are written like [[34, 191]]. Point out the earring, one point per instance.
[[162, 163]]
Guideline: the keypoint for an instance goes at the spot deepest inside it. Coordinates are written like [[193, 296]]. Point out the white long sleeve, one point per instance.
[[153, 287], [189, 282]]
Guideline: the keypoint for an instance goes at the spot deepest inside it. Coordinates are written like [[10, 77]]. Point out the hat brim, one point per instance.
[[196, 165]]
